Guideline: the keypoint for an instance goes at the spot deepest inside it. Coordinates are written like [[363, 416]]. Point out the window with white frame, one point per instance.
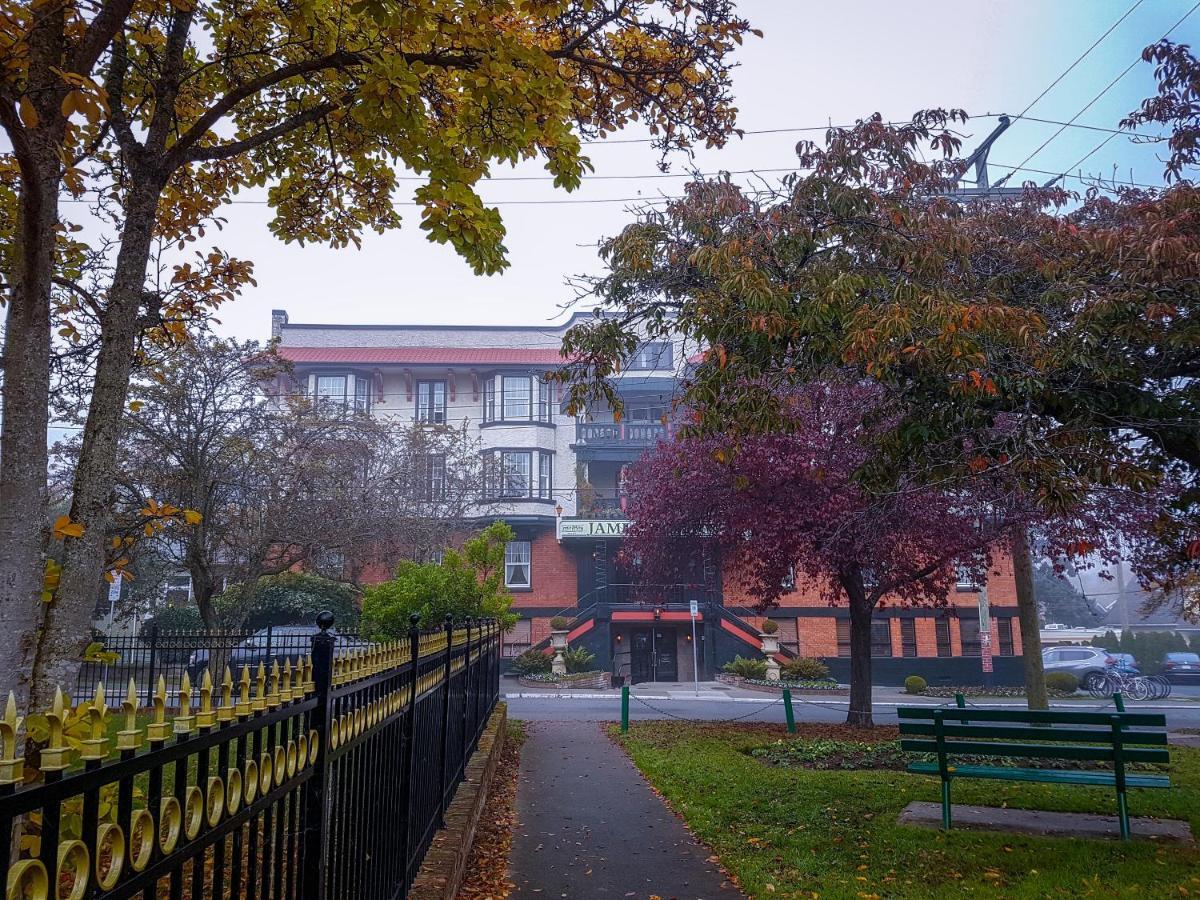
[[518, 475], [517, 556], [362, 394], [343, 391], [517, 398], [431, 402], [331, 389]]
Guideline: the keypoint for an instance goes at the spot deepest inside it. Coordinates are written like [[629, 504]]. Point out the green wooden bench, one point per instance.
[[1117, 737]]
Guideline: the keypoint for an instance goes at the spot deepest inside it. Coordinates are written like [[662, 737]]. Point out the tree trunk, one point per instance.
[[24, 420], [860, 661], [68, 621], [1027, 612]]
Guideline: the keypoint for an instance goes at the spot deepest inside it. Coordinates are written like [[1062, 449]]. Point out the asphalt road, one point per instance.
[[553, 709]]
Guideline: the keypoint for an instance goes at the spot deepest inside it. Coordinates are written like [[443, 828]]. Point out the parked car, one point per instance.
[[1180, 666], [1088, 664], [276, 644], [1126, 664]]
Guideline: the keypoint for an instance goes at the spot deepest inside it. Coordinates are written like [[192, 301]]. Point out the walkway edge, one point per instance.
[[445, 862]]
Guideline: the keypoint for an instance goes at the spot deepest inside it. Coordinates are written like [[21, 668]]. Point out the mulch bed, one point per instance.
[[487, 869]]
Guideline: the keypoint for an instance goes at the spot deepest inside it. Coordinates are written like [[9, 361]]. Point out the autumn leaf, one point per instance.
[[192, 517], [65, 528]]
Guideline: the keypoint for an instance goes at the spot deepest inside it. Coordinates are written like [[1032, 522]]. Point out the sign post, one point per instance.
[[694, 609], [985, 634]]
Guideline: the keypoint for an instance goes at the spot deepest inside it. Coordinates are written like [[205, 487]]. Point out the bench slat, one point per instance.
[[1047, 751], [1041, 716], [1049, 776], [1031, 733]]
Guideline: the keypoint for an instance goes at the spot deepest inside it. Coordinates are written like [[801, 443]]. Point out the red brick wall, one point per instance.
[[555, 583], [818, 634]]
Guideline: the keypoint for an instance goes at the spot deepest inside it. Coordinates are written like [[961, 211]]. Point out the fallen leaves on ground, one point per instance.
[[487, 868]]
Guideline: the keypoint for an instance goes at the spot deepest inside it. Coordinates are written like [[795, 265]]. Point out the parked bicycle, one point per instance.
[[1135, 687]]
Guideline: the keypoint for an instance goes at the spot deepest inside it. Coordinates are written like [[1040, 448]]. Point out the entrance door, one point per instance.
[[666, 667], [652, 655], [641, 656]]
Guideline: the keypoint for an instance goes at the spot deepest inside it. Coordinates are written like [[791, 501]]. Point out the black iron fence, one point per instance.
[[324, 777], [168, 653]]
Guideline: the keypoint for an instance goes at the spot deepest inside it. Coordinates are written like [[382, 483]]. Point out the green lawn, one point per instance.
[[831, 834]]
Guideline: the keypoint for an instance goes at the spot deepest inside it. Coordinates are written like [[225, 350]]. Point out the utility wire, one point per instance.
[[1079, 59], [1092, 102]]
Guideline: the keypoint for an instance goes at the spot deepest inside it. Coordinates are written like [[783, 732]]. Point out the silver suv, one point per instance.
[[1088, 664]]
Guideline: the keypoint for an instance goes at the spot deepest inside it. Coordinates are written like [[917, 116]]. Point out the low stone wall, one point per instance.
[[777, 687], [599, 681], [445, 862]]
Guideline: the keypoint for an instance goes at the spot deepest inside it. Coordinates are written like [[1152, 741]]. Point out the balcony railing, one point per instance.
[[601, 506], [620, 434]]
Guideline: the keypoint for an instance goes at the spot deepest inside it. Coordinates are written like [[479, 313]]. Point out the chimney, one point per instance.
[[279, 318]]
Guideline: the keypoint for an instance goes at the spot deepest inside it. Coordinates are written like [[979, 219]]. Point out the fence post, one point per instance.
[[446, 718], [787, 710], [316, 797], [469, 710], [410, 718], [150, 680], [624, 708]]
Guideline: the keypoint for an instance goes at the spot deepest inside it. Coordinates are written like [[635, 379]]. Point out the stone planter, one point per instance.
[[558, 640], [597, 681], [770, 646]]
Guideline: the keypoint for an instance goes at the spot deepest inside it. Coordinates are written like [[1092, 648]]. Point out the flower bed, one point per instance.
[[594, 680], [827, 688], [980, 691], [834, 754]]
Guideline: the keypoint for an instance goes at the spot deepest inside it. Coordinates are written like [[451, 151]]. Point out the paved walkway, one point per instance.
[[589, 826]]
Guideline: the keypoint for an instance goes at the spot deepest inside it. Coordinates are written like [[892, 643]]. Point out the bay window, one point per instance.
[[517, 398], [518, 475]]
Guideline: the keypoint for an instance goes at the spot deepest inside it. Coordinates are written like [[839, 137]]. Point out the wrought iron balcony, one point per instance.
[[620, 434]]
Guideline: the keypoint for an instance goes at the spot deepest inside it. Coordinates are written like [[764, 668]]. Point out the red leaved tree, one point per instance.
[[794, 498]]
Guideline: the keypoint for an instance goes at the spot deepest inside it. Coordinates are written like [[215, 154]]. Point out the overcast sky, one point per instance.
[[817, 63]]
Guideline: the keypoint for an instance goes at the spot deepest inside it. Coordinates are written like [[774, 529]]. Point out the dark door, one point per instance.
[[641, 655], [666, 667]]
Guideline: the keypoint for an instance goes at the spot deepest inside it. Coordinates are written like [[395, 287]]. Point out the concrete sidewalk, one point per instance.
[[588, 825]]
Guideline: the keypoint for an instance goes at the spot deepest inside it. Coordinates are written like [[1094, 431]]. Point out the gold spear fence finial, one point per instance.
[[243, 705], [95, 747], [54, 754], [207, 717], [158, 730], [129, 737], [11, 765], [225, 711], [185, 721]]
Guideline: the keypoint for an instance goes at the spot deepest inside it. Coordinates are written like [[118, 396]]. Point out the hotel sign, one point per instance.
[[591, 528]]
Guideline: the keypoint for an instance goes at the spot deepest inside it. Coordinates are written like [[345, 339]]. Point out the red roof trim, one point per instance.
[[413, 356]]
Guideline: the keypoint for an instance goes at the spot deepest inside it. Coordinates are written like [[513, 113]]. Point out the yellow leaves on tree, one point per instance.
[[65, 528]]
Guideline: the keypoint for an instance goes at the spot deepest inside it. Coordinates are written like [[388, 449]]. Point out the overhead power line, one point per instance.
[[1079, 59], [1104, 91]]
